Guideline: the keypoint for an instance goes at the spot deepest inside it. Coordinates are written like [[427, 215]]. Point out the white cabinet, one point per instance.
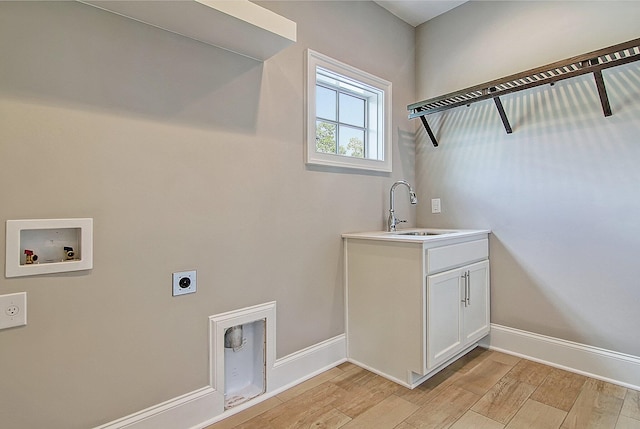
[[413, 306], [457, 311]]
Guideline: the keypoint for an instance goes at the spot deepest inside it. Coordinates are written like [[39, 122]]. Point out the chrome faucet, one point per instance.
[[393, 221]]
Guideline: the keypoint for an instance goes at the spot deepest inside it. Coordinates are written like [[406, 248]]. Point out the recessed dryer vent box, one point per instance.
[[43, 246]]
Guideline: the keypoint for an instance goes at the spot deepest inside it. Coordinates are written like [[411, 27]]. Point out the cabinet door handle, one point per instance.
[[465, 299], [468, 288]]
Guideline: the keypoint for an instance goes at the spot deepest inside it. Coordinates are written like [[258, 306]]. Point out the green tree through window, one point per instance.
[[326, 142], [326, 137]]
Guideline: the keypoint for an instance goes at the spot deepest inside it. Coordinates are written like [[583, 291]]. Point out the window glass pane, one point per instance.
[[325, 103], [352, 110], [327, 76], [347, 125], [351, 142], [325, 137], [342, 82]]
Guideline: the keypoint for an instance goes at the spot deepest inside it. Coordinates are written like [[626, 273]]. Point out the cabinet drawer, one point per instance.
[[455, 255]]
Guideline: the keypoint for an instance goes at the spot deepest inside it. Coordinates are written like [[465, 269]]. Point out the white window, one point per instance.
[[348, 116]]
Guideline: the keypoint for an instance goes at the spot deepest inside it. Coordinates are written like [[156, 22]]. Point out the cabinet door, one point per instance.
[[444, 330], [476, 308]]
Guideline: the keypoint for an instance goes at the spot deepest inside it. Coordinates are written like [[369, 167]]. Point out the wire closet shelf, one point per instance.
[[592, 62]]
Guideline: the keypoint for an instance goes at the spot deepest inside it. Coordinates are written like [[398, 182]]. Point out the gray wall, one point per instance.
[[186, 157], [561, 192]]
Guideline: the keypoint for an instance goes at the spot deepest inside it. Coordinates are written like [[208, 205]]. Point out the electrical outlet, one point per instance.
[[435, 206], [184, 282], [13, 310]]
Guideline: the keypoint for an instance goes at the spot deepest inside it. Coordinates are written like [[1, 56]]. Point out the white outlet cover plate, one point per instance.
[[435, 206], [13, 310], [188, 276]]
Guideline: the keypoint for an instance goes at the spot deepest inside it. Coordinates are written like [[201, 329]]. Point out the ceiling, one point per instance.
[[415, 12]]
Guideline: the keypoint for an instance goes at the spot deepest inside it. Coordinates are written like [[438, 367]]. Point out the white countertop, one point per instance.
[[401, 234]]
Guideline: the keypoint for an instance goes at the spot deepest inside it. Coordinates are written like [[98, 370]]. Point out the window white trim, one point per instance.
[[314, 60]]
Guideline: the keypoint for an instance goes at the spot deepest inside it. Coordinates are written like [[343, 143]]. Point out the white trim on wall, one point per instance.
[[307, 363], [183, 411], [601, 364], [200, 408]]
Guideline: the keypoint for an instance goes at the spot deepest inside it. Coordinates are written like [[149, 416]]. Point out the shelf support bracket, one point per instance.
[[602, 89], [428, 128], [602, 92], [503, 115]]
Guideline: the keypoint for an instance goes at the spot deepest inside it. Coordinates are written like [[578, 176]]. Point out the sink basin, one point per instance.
[[417, 235], [422, 233]]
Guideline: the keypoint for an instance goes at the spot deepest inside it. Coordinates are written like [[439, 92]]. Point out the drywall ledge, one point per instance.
[[238, 26]]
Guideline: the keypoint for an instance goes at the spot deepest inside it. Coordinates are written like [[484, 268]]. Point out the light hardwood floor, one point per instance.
[[482, 390]]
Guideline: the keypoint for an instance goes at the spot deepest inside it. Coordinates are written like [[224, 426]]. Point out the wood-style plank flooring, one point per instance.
[[483, 390]]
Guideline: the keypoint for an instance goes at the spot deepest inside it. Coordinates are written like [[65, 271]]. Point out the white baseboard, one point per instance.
[[304, 364], [200, 408], [607, 365], [184, 411]]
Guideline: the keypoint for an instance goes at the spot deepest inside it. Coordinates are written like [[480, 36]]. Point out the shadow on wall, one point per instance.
[[76, 55], [406, 148]]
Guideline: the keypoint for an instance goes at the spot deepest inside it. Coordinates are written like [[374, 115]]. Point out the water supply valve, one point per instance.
[[68, 253], [30, 256]]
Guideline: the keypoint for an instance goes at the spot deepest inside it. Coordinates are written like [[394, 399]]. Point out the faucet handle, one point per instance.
[[401, 221]]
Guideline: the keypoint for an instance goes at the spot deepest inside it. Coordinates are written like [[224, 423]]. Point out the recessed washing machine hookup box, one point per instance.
[[242, 354], [43, 246]]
